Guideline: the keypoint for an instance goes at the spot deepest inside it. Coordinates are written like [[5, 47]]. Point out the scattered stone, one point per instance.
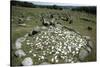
[[20, 53], [27, 61], [22, 24], [46, 22], [87, 37], [28, 18], [71, 21], [18, 43], [20, 20], [90, 44], [34, 31]]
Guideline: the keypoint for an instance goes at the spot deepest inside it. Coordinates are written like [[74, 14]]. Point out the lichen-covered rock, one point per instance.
[[20, 53], [27, 62]]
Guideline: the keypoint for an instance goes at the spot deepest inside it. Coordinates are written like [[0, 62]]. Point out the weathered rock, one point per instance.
[[58, 26], [71, 21], [20, 20], [18, 42], [87, 37], [90, 44], [27, 62], [35, 30], [22, 24], [44, 28], [46, 22], [83, 54], [28, 18], [20, 53]]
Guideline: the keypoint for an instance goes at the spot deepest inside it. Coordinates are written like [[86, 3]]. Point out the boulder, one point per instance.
[[46, 22], [20, 53], [35, 30], [18, 42], [27, 62], [83, 54]]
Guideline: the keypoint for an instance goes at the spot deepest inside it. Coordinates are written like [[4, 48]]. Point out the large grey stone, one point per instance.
[[27, 62], [20, 53], [83, 54], [18, 42]]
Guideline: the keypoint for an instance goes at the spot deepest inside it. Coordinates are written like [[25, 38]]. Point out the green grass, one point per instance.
[[78, 24]]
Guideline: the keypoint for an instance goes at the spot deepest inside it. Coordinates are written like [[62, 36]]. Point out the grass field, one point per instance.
[[33, 14]]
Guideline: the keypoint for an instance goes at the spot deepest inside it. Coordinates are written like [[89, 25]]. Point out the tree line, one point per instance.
[[89, 9]]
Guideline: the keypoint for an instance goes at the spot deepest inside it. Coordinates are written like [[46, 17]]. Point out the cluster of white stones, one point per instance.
[[20, 53], [54, 45]]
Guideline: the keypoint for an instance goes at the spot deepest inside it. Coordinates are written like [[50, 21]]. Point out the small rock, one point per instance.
[[87, 37], [20, 20], [28, 18], [20, 53], [22, 24], [27, 62], [43, 28]]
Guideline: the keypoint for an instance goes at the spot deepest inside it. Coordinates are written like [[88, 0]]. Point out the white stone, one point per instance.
[[52, 60], [30, 51], [42, 57], [21, 39], [28, 43], [18, 42], [20, 53], [27, 62], [56, 60], [22, 24], [34, 55], [57, 52], [18, 45]]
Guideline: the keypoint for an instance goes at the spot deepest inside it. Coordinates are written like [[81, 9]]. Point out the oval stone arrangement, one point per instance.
[[53, 45]]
